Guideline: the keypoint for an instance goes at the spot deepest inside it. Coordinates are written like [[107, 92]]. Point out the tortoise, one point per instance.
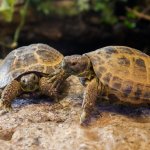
[[118, 73], [28, 69]]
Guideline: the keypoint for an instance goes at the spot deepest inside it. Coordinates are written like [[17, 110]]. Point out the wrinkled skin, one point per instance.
[[28, 83], [80, 66]]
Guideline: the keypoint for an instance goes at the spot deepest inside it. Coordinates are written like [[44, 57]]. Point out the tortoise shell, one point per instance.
[[124, 70], [33, 58]]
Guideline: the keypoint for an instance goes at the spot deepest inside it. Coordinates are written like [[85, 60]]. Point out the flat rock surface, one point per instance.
[[41, 123], [1, 61]]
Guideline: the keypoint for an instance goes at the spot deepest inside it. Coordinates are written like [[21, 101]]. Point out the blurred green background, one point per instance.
[[74, 26]]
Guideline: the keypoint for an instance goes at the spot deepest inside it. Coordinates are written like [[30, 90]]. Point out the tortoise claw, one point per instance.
[[8, 109], [5, 107], [84, 118]]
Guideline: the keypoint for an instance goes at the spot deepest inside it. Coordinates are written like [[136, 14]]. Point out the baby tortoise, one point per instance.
[[116, 72], [28, 69]]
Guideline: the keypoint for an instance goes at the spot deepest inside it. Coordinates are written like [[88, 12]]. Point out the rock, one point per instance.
[[1, 61], [48, 125]]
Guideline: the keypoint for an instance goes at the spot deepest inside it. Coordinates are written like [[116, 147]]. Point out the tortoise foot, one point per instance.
[[5, 107], [84, 118]]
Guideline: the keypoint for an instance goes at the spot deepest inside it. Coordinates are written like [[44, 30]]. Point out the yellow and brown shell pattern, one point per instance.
[[124, 71], [33, 58]]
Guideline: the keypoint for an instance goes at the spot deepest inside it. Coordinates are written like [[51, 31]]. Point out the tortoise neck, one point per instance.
[[88, 72]]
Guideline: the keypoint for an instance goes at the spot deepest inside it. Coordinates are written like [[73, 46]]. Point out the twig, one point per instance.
[[23, 13], [139, 14]]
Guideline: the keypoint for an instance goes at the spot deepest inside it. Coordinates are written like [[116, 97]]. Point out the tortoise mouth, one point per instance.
[[29, 82], [30, 88]]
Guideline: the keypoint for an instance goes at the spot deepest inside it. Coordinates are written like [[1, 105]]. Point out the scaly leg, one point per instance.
[[10, 92], [45, 86], [50, 85], [89, 99], [57, 79]]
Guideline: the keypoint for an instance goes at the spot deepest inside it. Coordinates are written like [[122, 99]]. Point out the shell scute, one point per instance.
[[16, 73], [123, 61], [125, 50], [147, 95], [110, 50], [127, 87], [35, 67], [106, 79], [129, 69], [33, 58], [140, 62], [138, 91], [24, 61]]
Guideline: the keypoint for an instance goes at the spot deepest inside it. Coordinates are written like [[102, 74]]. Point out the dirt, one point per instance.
[[41, 123]]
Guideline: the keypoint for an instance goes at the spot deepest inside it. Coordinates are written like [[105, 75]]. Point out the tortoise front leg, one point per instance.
[[45, 86], [89, 99], [10, 92], [50, 85], [57, 79]]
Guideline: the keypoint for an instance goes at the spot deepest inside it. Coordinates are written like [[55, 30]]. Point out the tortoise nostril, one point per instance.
[[73, 63], [23, 80]]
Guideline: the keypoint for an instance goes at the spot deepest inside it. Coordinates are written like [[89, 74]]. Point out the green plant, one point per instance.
[[7, 9], [50, 7], [83, 5], [23, 14], [105, 9]]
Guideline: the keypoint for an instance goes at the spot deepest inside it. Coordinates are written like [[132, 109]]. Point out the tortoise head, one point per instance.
[[29, 82], [76, 65]]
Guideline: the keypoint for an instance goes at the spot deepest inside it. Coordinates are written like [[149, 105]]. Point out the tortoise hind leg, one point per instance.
[[10, 92], [89, 99]]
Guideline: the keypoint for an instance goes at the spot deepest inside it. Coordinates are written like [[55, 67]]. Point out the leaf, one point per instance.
[[7, 9], [99, 6], [83, 5], [130, 24]]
